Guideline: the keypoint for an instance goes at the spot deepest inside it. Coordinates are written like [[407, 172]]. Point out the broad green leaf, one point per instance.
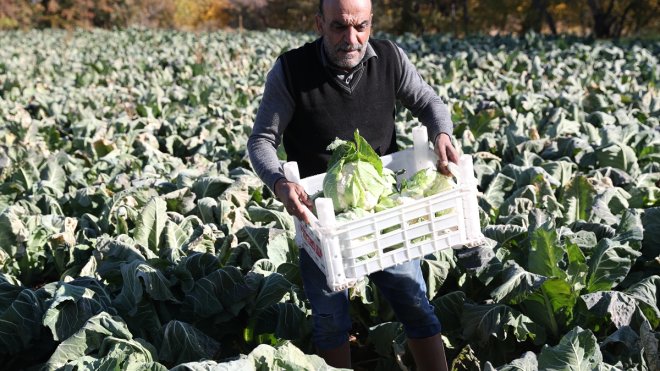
[[616, 199], [473, 259], [174, 238], [577, 198], [88, 339], [449, 309], [241, 363], [630, 229], [272, 289], [210, 186], [624, 346], [651, 223], [644, 197], [285, 356], [209, 211], [195, 266], [546, 252], [55, 175], [527, 175], [222, 294], [599, 230], [184, 343], [577, 350], [505, 233], [552, 305], [89, 199], [517, 284], [279, 219], [601, 119], [182, 200], [527, 362], [498, 189], [599, 309], [585, 240], [112, 253], [71, 307], [20, 321], [10, 288], [521, 201], [650, 343], [619, 156], [140, 278], [480, 322], [647, 295], [240, 192], [576, 149], [609, 265], [205, 238], [291, 272], [151, 224], [120, 354], [383, 335], [284, 320], [146, 322], [262, 268], [268, 242], [577, 270], [491, 269], [12, 230], [563, 128], [435, 273], [561, 171]]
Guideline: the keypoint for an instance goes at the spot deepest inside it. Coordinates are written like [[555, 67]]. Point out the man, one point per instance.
[[327, 89]]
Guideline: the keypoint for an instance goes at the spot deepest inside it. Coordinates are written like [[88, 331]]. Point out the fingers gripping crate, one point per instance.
[[348, 251]]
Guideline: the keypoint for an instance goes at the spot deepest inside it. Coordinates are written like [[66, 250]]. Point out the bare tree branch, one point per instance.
[[608, 13]]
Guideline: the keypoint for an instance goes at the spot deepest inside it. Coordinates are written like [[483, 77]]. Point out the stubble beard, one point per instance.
[[346, 62]]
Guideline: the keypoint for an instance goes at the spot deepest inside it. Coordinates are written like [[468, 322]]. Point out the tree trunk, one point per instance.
[[602, 18], [410, 19], [466, 18], [534, 19], [551, 21], [454, 24], [620, 23], [538, 13], [406, 17]]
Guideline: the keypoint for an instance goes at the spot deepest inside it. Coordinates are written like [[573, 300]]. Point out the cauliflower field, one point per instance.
[[134, 234]]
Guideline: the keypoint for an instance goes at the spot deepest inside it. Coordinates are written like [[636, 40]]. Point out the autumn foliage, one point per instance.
[[600, 18]]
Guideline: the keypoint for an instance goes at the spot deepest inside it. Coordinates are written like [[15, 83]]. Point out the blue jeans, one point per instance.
[[402, 285]]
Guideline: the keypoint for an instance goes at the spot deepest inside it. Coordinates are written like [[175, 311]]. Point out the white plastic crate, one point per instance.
[[348, 251]]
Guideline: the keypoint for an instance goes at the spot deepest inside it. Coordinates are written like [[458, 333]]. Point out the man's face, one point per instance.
[[345, 26]]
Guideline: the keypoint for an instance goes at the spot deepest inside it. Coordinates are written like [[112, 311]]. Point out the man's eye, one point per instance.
[[343, 27]]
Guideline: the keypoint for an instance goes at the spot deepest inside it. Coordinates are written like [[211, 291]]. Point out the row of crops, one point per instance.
[[134, 234]]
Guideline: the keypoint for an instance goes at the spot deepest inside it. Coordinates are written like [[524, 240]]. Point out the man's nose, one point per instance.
[[351, 36]]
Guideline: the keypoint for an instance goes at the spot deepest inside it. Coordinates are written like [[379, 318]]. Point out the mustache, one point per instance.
[[349, 48]]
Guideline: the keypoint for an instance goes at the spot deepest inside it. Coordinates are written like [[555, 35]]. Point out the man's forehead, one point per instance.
[[348, 10], [350, 19]]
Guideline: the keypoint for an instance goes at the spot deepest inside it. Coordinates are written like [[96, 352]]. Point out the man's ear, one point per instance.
[[319, 24]]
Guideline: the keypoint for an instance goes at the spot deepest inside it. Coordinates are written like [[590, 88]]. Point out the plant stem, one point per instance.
[[551, 315]]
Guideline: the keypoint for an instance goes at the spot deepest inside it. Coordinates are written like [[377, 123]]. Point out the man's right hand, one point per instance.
[[446, 153], [293, 196]]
